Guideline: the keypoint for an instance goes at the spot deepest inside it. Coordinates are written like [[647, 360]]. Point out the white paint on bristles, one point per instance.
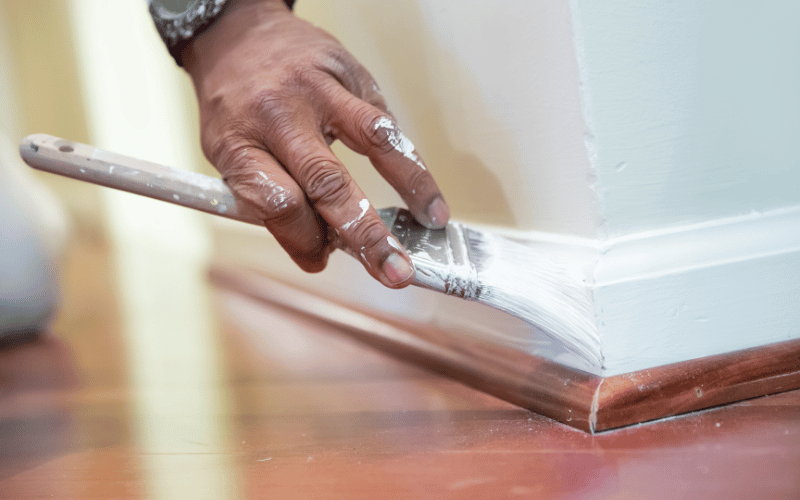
[[531, 285], [515, 278], [399, 141]]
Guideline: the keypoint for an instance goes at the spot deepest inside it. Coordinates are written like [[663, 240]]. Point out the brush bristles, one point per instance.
[[528, 284]]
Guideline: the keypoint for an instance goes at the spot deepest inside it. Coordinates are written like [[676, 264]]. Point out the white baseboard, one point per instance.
[[698, 290], [661, 297]]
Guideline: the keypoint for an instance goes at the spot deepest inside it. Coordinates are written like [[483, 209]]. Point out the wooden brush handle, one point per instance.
[[90, 164]]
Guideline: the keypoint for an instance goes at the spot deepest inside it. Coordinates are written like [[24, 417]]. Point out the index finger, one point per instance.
[[371, 131]]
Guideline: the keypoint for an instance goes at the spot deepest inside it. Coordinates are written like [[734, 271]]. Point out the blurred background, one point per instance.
[[49, 86]]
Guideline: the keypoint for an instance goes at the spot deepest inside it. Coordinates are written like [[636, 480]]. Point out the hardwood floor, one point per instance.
[[295, 409]]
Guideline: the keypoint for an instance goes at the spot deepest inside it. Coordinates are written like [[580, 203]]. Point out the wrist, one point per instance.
[[238, 19], [179, 23]]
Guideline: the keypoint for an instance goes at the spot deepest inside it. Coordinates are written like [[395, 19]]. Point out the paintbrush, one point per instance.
[[457, 260]]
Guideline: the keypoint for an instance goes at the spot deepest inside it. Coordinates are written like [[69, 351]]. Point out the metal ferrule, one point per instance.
[[440, 256]]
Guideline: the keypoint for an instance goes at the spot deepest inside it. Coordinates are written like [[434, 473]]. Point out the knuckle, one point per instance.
[[336, 58], [273, 112], [301, 78], [275, 203], [326, 182], [379, 132], [281, 206], [222, 146], [267, 103], [371, 234], [419, 182]]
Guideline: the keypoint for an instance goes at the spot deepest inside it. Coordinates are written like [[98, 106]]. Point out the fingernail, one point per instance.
[[397, 269], [439, 214]]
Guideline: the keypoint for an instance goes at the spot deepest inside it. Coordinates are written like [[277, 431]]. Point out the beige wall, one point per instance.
[[44, 90], [41, 90]]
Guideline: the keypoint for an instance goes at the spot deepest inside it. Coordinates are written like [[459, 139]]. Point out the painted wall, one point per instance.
[[488, 92], [693, 108]]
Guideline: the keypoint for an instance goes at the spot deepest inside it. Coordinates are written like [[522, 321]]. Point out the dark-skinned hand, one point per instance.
[[274, 92]]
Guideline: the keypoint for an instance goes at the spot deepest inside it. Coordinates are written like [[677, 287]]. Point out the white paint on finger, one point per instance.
[[364, 206], [277, 195], [269, 182], [395, 244], [399, 141]]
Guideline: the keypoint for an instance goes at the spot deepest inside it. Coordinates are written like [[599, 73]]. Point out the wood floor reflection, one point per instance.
[[296, 410]]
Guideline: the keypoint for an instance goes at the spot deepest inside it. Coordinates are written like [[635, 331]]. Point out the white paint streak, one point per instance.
[[278, 194], [394, 244], [399, 141], [196, 180], [266, 178], [364, 206]]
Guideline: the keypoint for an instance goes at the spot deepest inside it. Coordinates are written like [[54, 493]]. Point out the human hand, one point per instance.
[[274, 92]]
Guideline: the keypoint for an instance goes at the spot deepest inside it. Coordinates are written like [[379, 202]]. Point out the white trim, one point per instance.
[[680, 249], [698, 290]]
